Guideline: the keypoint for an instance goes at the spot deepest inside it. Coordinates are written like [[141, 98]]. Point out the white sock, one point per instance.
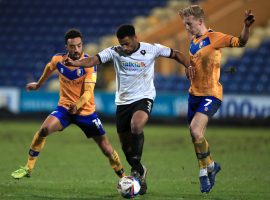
[[210, 167], [203, 172]]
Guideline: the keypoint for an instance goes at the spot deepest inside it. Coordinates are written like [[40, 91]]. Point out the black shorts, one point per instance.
[[124, 113]]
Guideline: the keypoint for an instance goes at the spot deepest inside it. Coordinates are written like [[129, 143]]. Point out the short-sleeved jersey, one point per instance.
[[135, 72], [205, 55], [72, 81]]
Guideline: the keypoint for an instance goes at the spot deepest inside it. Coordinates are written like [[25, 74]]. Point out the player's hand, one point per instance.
[[249, 18], [67, 61], [72, 109], [190, 72], [32, 86]]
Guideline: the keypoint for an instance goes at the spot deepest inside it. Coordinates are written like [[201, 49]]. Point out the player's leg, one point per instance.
[[126, 140], [93, 128], [197, 127], [50, 125], [212, 168], [57, 120], [200, 110], [108, 151], [130, 120], [139, 119]]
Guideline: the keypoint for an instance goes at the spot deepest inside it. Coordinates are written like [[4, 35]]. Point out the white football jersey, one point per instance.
[[135, 72]]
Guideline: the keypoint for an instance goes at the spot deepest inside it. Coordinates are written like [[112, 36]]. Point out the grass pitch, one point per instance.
[[72, 167]]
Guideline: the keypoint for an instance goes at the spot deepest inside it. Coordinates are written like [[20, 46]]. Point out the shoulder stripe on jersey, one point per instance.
[[70, 74], [99, 58], [171, 53], [196, 47]]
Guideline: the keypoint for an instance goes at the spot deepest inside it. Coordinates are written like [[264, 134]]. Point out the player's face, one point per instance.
[[192, 24], [128, 44], [74, 48]]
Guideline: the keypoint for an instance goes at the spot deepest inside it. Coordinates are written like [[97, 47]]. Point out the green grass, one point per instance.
[[72, 167]]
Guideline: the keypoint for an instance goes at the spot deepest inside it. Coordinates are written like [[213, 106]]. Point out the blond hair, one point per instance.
[[193, 10]]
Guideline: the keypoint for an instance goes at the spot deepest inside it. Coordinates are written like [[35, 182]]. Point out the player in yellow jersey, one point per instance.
[[76, 105], [205, 93]]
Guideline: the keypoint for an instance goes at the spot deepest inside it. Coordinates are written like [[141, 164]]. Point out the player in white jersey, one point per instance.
[[135, 92]]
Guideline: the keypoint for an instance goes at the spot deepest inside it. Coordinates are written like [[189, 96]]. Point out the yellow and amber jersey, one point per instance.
[[72, 84], [205, 55]]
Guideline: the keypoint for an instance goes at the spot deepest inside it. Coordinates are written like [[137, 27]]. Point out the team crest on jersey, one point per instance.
[[79, 72], [62, 70], [201, 44]]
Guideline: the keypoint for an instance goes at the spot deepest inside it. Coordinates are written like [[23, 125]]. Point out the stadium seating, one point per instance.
[[32, 31], [252, 71]]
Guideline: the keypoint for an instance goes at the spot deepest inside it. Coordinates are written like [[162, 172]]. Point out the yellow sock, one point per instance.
[[203, 153], [36, 146], [116, 164]]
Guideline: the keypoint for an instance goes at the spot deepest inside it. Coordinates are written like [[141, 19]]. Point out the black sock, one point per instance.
[[136, 154]]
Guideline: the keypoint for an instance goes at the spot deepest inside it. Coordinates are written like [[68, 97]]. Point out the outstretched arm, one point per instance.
[[249, 19], [179, 57], [85, 62], [45, 75]]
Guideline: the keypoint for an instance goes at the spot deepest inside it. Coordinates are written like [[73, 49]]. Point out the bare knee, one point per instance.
[[44, 131], [196, 133], [136, 128]]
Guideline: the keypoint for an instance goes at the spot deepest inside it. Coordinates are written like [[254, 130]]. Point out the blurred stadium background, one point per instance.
[[32, 32]]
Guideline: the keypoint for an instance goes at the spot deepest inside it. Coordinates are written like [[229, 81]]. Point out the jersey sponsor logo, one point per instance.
[[133, 66], [73, 82]]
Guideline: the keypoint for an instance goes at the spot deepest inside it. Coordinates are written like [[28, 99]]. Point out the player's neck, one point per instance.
[[203, 30]]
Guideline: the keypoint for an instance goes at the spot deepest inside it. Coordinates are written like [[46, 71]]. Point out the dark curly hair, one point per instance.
[[72, 33]]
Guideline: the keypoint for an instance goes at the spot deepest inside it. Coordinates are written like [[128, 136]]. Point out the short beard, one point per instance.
[[73, 57]]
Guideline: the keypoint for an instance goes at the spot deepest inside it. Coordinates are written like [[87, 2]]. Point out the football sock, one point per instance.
[[210, 167], [203, 172], [136, 152], [37, 145], [116, 164], [202, 152]]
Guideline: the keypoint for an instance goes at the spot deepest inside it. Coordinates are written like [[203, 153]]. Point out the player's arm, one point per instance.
[[249, 20], [88, 91], [223, 40], [85, 62], [179, 57], [48, 70]]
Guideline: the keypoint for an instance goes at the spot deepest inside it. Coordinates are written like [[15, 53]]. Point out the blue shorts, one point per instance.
[[90, 124], [207, 105]]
